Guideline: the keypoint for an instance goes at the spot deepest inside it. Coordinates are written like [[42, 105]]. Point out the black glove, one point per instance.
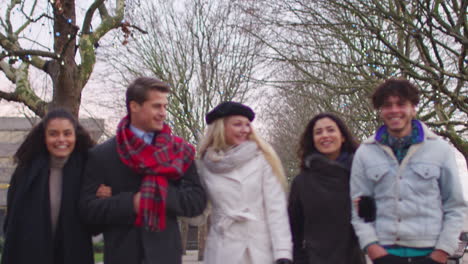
[[367, 208], [283, 261], [387, 259]]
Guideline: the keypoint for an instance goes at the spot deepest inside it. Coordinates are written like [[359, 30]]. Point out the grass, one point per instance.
[[98, 257]]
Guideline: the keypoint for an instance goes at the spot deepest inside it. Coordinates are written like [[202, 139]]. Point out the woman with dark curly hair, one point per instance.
[[319, 203], [42, 224]]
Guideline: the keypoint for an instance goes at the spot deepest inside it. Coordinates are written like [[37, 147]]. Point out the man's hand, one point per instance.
[[376, 251], [439, 256], [136, 202], [104, 191]]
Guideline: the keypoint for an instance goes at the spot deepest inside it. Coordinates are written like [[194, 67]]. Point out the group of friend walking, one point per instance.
[[395, 197]]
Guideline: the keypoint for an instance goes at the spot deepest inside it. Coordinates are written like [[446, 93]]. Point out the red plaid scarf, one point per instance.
[[167, 158]]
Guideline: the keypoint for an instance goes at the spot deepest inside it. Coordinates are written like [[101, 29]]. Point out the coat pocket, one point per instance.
[[426, 171], [376, 173], [424, 178]]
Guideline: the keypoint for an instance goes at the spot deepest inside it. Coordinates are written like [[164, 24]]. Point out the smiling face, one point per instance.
[[150, 115], [397, 113], [327, 138], [60, 137], [236, 129]]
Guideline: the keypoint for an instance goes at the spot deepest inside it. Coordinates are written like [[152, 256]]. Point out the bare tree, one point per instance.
[[290, 109], [56, 56], [200, 51], [344, 48]]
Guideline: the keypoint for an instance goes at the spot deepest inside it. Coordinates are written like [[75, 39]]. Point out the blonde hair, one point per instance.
[[214, 138]]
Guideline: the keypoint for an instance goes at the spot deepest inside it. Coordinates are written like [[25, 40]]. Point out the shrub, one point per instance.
[[98, 247]]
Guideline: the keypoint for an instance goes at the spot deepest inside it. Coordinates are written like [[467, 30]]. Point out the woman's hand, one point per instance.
[[104, 191]]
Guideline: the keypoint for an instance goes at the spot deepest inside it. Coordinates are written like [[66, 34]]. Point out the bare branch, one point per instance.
[[89, 15], [23, 92], [25, 53], [29, 17], [13, 49], [8, 70], [110, 22], [9, 27], [138, 28], [446, 123], [103, 12], [87, 41]]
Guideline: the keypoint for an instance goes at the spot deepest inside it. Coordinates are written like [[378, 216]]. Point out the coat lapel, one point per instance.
[[38, 168]]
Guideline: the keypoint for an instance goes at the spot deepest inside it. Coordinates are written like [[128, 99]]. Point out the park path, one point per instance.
[[191, 257]]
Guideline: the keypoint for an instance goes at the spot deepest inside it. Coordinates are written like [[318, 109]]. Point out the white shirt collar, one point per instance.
[[146, 136]]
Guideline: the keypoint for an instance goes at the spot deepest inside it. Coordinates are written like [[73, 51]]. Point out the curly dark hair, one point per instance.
[[306, 143], [34, 144], [395, 87]]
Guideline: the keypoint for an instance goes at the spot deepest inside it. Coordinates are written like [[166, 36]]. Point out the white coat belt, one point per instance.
[[223, 220]]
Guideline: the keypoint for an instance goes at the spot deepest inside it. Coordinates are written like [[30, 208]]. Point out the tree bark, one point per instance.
[[67, 86]]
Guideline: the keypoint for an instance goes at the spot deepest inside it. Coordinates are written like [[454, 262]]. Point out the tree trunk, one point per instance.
[[67, 85]]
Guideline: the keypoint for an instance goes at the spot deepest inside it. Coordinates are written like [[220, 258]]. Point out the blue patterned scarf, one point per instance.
[[400, 146]]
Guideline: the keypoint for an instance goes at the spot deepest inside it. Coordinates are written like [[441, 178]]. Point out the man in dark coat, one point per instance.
[[152, 178]]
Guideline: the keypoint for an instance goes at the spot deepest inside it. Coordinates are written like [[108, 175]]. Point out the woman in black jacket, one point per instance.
[[319, 202], [42, 224]]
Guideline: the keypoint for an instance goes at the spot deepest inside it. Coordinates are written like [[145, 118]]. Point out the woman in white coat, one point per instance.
[[245, 183]]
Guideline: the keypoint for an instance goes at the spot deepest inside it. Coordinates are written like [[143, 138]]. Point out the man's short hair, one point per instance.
[[395, 87], [138, 90]]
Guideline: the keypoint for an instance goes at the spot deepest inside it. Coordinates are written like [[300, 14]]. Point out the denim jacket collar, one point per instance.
[[428, 134]]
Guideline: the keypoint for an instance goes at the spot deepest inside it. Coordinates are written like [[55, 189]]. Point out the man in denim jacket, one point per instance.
[[412, 175]]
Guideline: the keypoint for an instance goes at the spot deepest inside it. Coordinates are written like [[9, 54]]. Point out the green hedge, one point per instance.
[[2, 241], [98, 247]]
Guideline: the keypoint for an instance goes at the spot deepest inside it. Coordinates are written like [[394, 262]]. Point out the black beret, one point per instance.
[[229, 108]]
